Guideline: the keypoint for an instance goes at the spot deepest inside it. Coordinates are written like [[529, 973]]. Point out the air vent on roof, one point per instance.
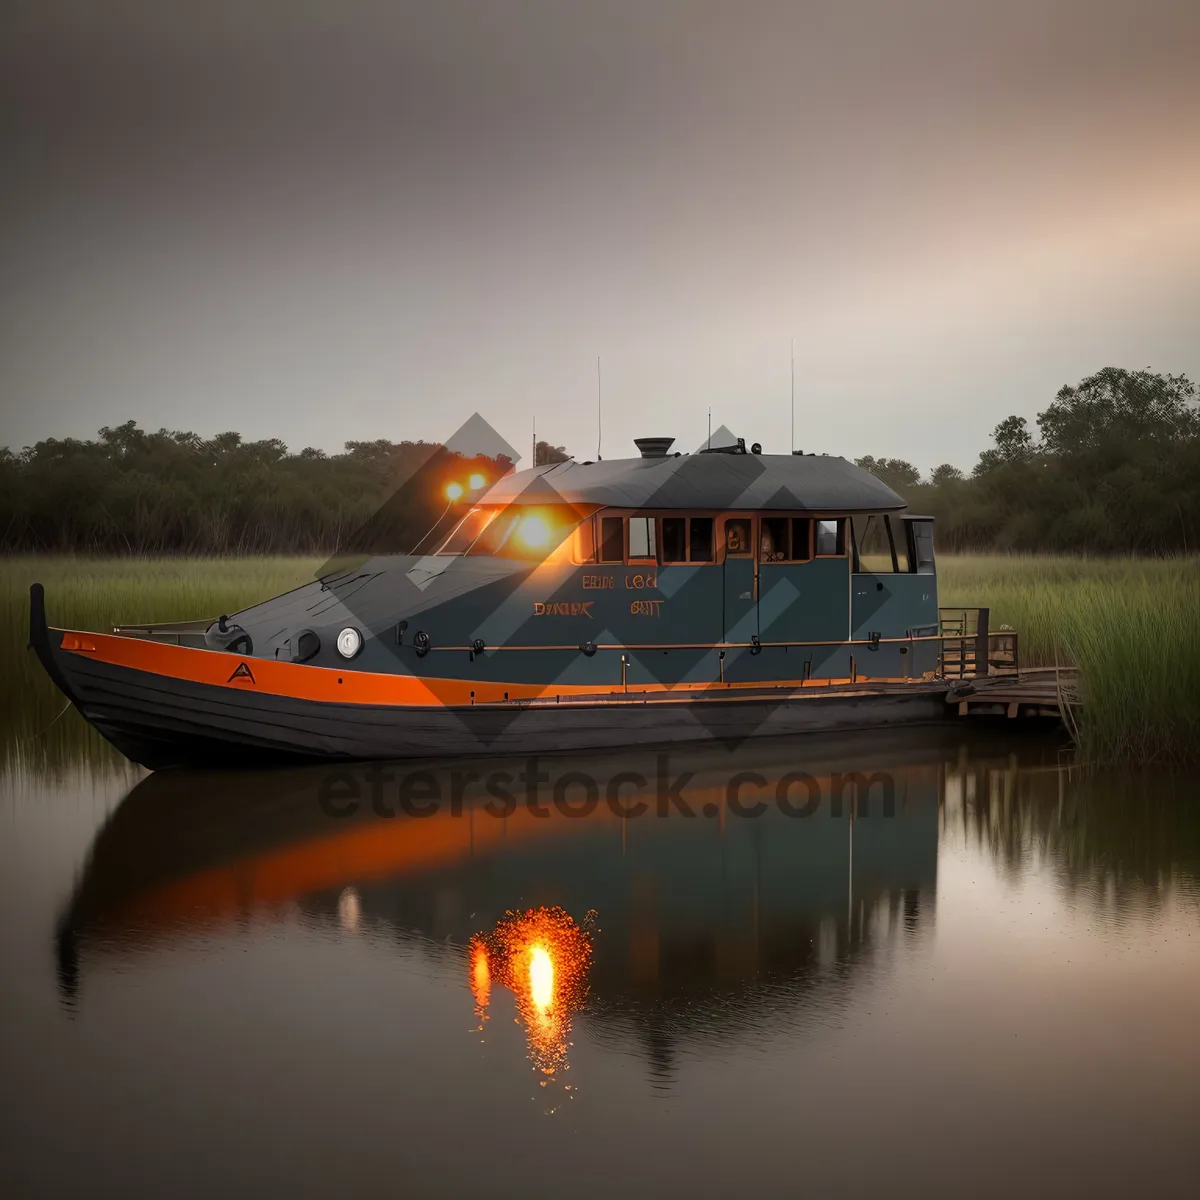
[[654, 447]]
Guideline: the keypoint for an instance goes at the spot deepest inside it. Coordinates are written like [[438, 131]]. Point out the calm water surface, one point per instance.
[[974, 971]]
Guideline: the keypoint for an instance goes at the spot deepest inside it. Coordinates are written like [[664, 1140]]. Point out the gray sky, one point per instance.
[[370, 219]]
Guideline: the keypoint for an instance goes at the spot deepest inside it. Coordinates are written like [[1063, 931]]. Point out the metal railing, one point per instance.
[[969, 648]]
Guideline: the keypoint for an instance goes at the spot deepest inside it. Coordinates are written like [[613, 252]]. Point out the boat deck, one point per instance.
[[1040, 692]]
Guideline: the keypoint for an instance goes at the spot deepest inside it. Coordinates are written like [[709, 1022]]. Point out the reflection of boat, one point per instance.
[[582, 605], [689, 907]]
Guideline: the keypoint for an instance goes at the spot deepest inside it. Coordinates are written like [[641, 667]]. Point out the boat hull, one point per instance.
[[162, 719]]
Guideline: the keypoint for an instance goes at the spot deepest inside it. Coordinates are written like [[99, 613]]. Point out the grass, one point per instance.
[[1130, 625], [97, 593]]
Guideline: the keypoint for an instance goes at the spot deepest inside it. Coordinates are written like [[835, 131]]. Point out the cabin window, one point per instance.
[[585, 542], [831, 537], [874, 550], [898, 545], [612, 539], [920, 535], [737, 536], [641, 537], [701, 547], [773, 539], [785, 539], [801, 539], [674, 539]]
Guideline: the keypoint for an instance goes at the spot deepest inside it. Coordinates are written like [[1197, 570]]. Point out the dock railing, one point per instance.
[[969, 647]]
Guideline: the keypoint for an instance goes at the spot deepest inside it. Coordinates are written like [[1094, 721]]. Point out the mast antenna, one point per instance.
[[792, 447], [535, 462], [599, 413], [708, 444]]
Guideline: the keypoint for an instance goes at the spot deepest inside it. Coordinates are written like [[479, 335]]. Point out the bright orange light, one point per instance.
[[541, 978], [542, 956], [454, 492], [534, 532], [476, 482]]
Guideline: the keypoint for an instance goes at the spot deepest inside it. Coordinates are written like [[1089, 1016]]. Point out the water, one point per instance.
[[976, 974]]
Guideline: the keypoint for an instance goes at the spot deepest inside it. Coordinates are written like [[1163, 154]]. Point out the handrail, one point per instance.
[[904, 641]]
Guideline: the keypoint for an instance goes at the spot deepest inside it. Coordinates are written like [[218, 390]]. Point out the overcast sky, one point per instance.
[[370, 219]]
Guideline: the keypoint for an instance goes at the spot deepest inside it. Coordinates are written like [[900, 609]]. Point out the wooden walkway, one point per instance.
[[1047, 692]]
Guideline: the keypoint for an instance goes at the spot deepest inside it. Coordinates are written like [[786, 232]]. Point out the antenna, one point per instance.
[[534, 462], [792, 447], [708, 444], [599, 424]]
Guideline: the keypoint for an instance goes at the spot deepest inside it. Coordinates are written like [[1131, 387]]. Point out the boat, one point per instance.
[[576, 606]]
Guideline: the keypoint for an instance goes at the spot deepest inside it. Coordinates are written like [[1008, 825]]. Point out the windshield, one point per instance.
[[467, 530], [529, 532]]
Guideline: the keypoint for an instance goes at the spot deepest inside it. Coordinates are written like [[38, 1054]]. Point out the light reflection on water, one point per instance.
[[1009, 956]]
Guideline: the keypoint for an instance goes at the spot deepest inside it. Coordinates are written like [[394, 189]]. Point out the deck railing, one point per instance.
[[969, 648]]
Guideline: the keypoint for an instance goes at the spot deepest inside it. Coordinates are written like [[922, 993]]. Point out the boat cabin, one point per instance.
[[664, 570], [729, 568]]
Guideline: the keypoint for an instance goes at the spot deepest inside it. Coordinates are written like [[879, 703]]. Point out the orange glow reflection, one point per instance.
[[542, 957], [481, 978], [541, 977]]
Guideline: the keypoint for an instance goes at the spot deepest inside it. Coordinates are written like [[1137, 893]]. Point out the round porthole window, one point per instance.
[[349, 642]]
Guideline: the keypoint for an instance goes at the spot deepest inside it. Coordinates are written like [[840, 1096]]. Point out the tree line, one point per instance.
[[134, 492], [1113, 467]]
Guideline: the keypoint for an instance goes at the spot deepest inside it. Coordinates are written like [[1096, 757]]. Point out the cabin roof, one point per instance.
[[787, 482]]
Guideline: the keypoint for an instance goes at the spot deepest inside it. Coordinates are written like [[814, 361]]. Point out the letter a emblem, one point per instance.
[[241, 671]]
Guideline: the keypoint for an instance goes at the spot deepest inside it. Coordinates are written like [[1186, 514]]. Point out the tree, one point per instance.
[[899, 475], [945, 474], [1013, 443], [544, 454], [1116, 406]]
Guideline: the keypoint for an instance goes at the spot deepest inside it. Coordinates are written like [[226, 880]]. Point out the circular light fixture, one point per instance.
[[454, 492], [349, 642], [476, 481]]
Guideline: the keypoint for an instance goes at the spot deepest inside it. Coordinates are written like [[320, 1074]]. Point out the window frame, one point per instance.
[[712, 539], [750, 551], [839, 540], [914, 560], [720, 522], [611, 562], [652, 529]]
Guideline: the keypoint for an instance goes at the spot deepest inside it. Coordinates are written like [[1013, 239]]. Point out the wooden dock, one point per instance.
[[1043, 692]]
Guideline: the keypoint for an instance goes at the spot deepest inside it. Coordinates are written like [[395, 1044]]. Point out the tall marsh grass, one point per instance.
[[1132, 626], [98, 593]]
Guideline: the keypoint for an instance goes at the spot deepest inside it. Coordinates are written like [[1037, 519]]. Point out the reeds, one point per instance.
[[1131, 626], [97, 593]]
